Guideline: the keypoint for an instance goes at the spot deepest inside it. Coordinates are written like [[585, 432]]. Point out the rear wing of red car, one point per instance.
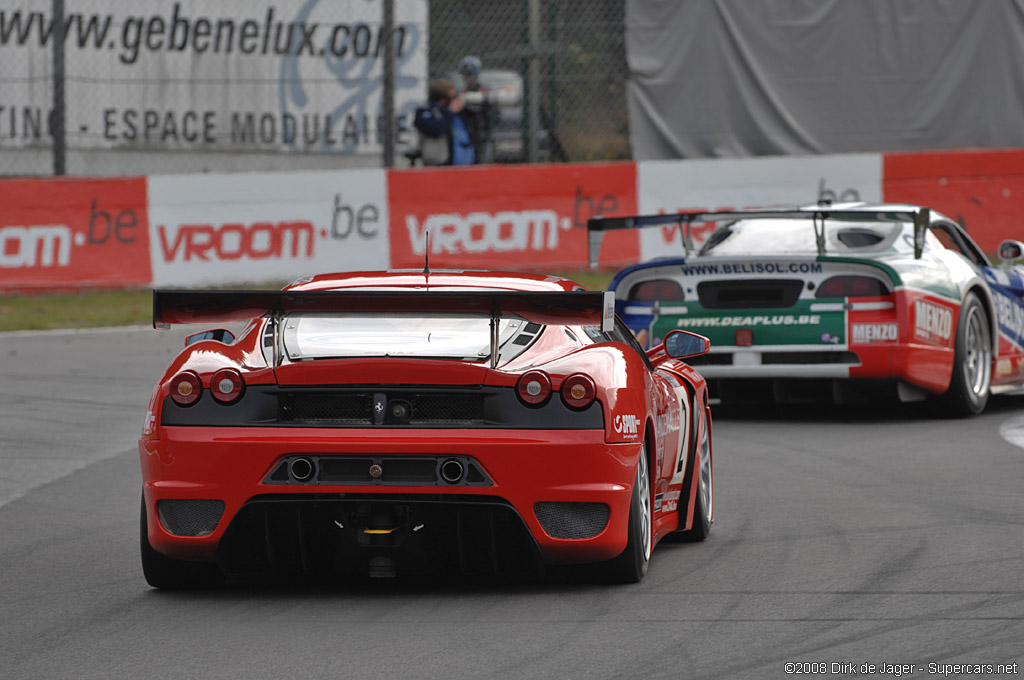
[[597, 226], [225, 306], [220, 306]]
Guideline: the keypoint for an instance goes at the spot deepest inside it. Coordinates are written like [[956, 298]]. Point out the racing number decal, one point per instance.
[[684, 442]]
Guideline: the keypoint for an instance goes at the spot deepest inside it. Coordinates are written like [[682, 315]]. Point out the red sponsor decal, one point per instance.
[[233, 241], [933, 322], [869, 333], [70, 232], [979, 189], [505, 217], [698, 232]]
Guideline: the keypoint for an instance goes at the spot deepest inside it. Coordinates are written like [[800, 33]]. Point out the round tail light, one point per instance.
[[226, 385], [578, 391], [186, 388], [534, 387]]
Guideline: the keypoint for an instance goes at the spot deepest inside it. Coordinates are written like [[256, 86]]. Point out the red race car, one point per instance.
[[383, 422]]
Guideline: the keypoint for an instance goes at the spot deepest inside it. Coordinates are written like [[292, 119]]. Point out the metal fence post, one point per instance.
[[388, 90], [533, 127], [56, 121]]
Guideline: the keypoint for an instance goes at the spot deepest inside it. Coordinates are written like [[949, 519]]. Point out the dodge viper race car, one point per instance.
[[374, 423], [834, 302]]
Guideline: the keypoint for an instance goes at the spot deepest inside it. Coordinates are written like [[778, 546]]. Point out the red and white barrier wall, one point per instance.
[[208, 229]]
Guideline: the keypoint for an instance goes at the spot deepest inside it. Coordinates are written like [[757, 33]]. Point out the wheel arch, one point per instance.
[[984, 296], [650, 442]]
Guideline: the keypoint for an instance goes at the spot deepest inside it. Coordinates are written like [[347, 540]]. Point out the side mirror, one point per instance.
[[682, 344], [1010, 252], [218, 334]]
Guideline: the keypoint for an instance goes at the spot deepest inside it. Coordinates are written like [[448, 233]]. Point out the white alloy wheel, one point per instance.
[[707, 496], [643, 483], [976, 360]]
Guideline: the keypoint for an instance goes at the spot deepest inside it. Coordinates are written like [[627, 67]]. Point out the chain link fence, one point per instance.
[[192, 86], [579, 59]]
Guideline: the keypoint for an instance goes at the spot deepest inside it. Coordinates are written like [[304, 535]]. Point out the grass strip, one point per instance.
[[96, 308]]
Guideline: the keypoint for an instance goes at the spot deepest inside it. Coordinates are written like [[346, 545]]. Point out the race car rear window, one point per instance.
[[784, 236], [441, 336], [859, 238]]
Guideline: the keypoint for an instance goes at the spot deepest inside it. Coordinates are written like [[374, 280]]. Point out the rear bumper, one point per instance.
[[524, 467], [925, 366]]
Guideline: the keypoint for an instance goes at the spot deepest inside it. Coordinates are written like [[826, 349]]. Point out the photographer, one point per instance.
[[480, 114], [444, 139]]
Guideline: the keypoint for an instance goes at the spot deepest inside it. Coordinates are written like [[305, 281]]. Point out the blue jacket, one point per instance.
[[435, 121]]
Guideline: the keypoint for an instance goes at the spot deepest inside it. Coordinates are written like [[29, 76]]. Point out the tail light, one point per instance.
[[852, 286], [186, 388], [534, 387], [578, 391], [226, 385]]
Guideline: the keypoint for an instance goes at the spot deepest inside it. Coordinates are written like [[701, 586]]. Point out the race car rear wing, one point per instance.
[[597, 226], [543, 307]]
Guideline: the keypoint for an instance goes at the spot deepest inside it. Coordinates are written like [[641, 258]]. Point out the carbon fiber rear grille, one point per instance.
[[190, 517], [572, 520], [321, 408], [324, 535], [326, 408], [447, 408]]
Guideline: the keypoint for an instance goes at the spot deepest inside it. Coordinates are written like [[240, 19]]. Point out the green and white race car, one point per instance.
[[837, 302]]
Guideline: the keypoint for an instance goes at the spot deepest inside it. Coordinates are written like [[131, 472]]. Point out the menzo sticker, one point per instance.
[[932, 323], [868, 333]]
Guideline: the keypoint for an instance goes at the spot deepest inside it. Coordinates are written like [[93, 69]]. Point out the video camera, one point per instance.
[[476, 99]]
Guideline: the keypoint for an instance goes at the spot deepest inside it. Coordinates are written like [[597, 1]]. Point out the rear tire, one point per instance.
[[971, 384], [632, 564], [171, 574], [703, 505]]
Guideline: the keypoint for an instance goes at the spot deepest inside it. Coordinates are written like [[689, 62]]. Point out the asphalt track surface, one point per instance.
[[881, 536]]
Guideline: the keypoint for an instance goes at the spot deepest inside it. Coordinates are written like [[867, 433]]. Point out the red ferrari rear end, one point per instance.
[[369, 425]]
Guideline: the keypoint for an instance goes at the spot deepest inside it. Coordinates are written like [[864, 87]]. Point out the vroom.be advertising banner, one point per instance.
[[74, 232], [979, 189], [738, 183], [509, 217], [222, 229]]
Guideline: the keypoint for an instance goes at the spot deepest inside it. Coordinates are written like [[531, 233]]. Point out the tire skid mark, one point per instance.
[[887, 630]]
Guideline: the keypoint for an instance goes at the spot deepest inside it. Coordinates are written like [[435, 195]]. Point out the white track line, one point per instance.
[[1013, 431]]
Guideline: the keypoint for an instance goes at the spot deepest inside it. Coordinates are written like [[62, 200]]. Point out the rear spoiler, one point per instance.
[[597, 226], [220, 306], [544, 307]]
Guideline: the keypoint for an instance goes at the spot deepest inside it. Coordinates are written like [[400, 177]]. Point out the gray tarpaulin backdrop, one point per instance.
[[712, 78]]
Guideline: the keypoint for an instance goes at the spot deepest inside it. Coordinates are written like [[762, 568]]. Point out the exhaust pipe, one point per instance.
[[302, 469], [452, 471]]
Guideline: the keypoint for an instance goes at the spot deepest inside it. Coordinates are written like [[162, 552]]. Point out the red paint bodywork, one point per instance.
[[928, 364], [526, 465]]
